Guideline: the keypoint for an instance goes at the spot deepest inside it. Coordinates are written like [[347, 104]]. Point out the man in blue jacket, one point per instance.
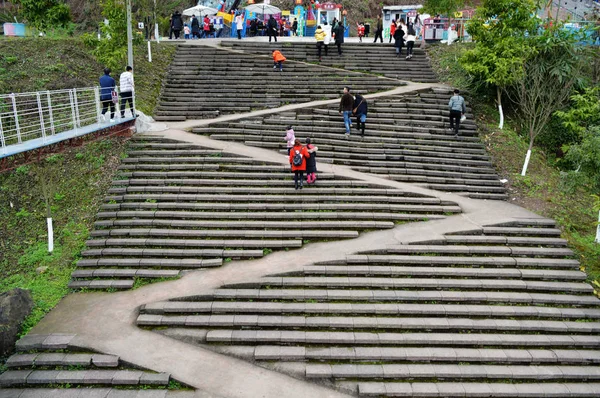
[[457, 109], [107, 86]]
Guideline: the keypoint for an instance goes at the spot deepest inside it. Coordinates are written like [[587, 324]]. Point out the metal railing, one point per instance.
[[38, 118]]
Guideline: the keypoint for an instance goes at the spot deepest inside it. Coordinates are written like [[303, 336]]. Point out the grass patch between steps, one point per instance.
[[543, 190], [78, 180]]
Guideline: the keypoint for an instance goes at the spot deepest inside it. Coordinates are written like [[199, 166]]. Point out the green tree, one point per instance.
[[45, 14], [444, 7], [111, 48], [550, 73], [500, 29], [583, 118]]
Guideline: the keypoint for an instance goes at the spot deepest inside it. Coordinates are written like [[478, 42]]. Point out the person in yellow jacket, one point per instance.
[[320, 36]]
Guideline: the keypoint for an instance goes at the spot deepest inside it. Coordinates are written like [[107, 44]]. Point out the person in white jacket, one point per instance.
[[126, 87], [327, 28], [410, 40]]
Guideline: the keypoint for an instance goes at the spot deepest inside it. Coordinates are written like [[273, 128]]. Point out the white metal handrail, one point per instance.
[[42, 115]]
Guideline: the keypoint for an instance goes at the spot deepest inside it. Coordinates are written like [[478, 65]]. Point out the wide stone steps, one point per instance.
[[190, 90], [343, 323], [416, 149], [496, 390], [50, 365], [175, 206], [360, 57], [478, 306]]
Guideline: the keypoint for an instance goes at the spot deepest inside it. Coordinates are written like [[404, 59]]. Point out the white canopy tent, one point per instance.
[[199, 11]]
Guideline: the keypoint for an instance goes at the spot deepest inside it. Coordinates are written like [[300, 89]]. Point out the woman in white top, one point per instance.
[[327, 28], [410, 40], [239, 21]]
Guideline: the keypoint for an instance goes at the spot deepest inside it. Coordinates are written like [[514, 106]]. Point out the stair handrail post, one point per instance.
[[73, 112], [16, 116], [41, 113], [50, 112], [98, 106], [2, 140]]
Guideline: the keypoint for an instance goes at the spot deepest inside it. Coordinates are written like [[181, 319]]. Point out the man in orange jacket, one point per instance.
[[278, 60]]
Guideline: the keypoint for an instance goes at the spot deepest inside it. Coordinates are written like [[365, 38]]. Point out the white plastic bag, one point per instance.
[[463, 118]]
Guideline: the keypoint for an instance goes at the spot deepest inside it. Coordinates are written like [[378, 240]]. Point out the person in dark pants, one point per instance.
[[346, 107], [298, 156], [107, 85], [272, 28], [126, 86], [339, 37], [177, 24], [360, 111], [295, 27], [399, 40], [379, 30], [195, 28], [457, 110], [311, 162]]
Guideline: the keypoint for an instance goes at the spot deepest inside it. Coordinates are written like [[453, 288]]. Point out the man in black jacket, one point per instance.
[[272, 28], [177, 23], [360, 111]]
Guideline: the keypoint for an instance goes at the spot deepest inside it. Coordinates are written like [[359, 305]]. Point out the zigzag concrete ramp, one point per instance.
[[389, 277]]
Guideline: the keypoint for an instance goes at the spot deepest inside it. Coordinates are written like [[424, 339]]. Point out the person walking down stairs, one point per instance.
[[278, 60], [298, 156], [360, 111], [346, 106], [457, 110], [311, 162], [320, 37]]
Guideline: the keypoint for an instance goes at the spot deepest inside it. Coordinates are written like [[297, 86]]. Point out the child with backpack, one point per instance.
[[290, 137], [278, 60], [298, 156], [311, 162]]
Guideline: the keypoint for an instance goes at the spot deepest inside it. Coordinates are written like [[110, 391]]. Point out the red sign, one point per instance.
[[329, 6]]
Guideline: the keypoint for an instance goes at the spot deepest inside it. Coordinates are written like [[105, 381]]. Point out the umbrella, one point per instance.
[[263, 9], [200, 10]]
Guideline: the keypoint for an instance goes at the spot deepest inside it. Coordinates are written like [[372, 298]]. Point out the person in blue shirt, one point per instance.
[[107, 86]]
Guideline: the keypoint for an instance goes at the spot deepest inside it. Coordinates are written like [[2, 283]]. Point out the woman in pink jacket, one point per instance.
[[290, 137]]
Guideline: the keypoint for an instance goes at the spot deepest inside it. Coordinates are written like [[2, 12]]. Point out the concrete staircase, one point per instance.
[[379, 59], [204, 82], [498, 311], [406, 139], [51, 366], [176, 206]]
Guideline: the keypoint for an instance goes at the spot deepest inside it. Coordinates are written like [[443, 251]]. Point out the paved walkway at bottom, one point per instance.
[[106, 321]]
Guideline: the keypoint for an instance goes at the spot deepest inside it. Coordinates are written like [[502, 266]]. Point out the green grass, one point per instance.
[[77, 181], [42, 63]]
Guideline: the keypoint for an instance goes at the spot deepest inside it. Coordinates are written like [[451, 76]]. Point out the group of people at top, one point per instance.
[[193, 30], [325, 33]]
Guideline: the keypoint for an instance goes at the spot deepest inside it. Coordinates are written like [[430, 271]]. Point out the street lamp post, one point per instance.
[[129, 36]]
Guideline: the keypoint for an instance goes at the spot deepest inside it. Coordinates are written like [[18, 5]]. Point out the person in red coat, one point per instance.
[[298, 156]]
